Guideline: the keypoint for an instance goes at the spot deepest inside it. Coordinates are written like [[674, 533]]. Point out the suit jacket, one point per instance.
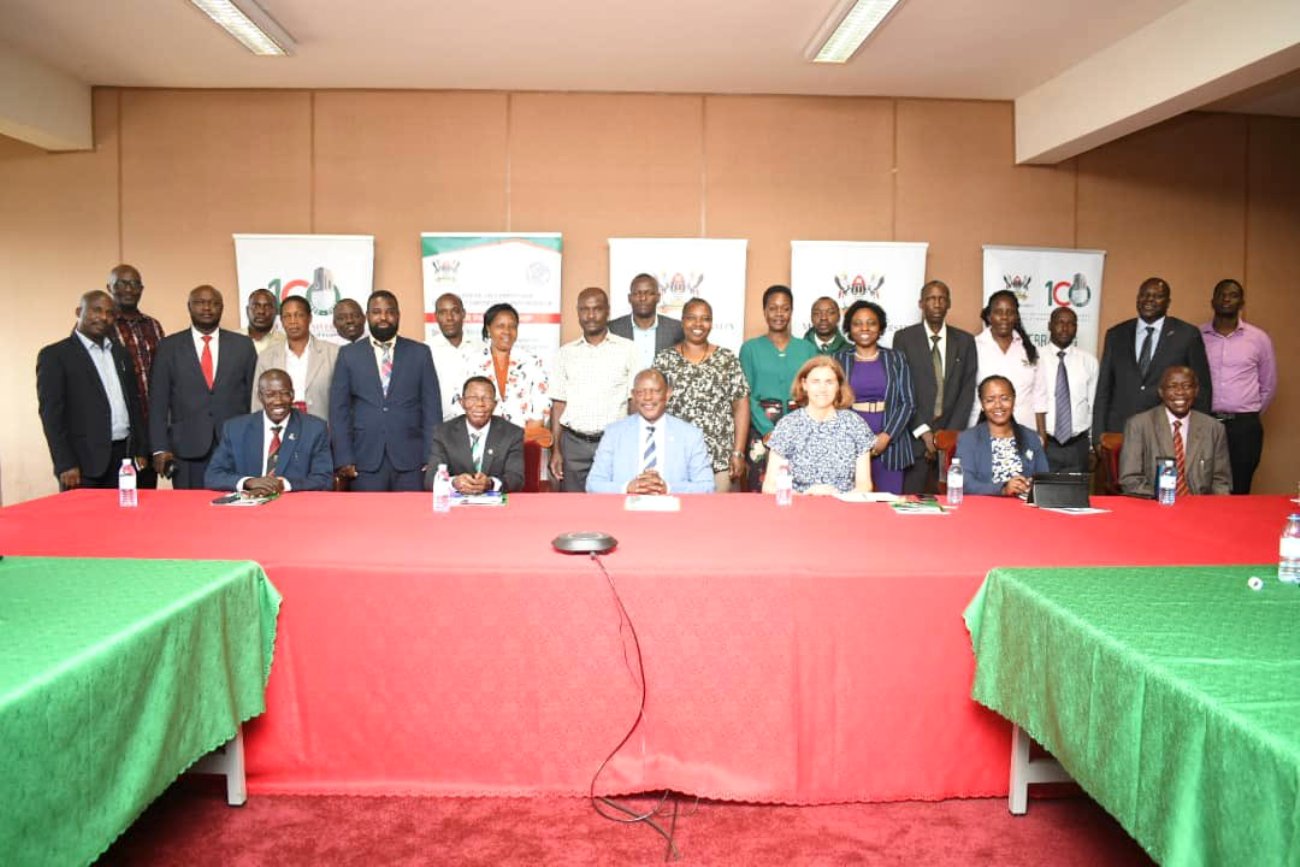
[[366, 423], [960, 366], [503, 453], [74, 407], [688, 469], [975, 448], [1205, 448], [304, 461], [321, 358], [900, 405], [185, 416], [668, 331], [1122, 391]]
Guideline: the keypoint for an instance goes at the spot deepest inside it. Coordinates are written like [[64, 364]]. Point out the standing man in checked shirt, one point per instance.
[[1071, 377], [139, 334], [1243, 369]]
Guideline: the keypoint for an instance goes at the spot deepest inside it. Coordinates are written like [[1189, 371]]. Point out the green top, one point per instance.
[[1172, 695], [770, 374], [838, 344], [115, 676]]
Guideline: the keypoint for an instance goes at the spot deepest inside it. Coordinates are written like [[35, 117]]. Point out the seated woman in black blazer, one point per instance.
[[998, 456]]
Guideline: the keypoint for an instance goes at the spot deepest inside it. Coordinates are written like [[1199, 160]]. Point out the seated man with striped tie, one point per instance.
[[273, 451], [651, 452], [482, 453], [1195, 441]]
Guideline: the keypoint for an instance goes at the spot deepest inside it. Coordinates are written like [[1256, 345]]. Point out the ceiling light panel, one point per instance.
[[854, 28], [250, 24]]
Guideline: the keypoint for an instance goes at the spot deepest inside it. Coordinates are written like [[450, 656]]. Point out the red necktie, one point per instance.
[[205, 361], [273, 451], [1180, 458]]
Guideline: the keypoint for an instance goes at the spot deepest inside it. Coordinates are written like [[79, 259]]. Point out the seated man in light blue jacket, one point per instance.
[[651, 452]]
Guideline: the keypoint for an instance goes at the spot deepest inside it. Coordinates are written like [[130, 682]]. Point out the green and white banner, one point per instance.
[[887, 273], [486, 268], [324, 269], [1045, 278]]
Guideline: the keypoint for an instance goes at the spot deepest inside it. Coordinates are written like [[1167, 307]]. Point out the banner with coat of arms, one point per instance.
[[1045, 278], [686, 268], [486, 268], [887, 273], [324, 269]]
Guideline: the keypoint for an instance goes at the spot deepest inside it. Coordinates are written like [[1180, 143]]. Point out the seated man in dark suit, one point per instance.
[[1171, 430], [482, 453], [273, 451]]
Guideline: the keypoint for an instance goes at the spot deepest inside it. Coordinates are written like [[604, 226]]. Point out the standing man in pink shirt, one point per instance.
[[1244, 373]]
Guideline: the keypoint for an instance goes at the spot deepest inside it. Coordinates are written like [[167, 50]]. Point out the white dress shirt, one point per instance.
[[1031, 391], [212, 344], [644, 338], [1081, 372], [296, 366], [101, 355], [1140, 337], [453, 366]]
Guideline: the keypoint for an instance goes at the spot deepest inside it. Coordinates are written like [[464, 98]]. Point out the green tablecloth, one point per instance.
[[115, 676], [1172, 695]]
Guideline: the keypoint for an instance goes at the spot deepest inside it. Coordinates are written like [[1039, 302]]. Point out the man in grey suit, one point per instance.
[[201, 377], [308, 361], [943, 364], [482, 453], [1168, 429], [1135, 355], [644, 326]]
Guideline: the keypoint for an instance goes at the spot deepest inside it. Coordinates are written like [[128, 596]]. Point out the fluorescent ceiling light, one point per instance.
[[853, 29], [250, 24]]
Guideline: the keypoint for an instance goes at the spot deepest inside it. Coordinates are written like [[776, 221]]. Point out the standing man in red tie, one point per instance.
[[1194, 440], [201, 377]]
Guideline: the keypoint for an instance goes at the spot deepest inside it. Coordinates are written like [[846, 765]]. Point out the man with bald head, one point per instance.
[[139, 334], [1195, 441], [452, 350], [85, 387], [202, 376]]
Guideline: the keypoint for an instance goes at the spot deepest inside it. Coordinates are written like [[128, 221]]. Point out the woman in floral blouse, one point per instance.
[[710, 392], [519, 375]]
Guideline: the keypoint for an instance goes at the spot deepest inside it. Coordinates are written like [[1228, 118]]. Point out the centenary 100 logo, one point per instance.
[[1060, 293], [322, 293]]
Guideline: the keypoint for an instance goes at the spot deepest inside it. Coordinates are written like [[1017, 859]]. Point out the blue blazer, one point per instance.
[[687, 466], [366, 423], [304, 453], [975, 448], [899, 405]]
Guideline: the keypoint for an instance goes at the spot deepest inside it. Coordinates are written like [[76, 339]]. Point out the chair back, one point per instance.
[[1109, 446], [536, 440], [946, 442]]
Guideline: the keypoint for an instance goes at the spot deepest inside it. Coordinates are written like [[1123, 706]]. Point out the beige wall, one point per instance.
[[175, 173]]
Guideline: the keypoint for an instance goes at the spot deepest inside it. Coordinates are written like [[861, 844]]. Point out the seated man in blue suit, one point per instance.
[[273, 451], [651, 452]]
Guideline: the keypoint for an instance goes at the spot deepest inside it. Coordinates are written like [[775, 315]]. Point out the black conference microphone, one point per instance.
[[584, 542]]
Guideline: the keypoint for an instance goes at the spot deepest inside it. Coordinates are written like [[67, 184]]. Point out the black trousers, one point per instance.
[[1245, 444], [388, 478], [922, 477], [1070, 456], [578, 452], [108, 479]]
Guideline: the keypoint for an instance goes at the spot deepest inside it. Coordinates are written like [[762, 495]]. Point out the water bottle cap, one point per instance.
[[956, 462]]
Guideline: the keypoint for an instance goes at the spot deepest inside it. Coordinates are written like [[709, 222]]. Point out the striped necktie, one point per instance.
[[1180, 458], [386, 367], [273, 451], [649, 460], [476, 450], [1064, 413]]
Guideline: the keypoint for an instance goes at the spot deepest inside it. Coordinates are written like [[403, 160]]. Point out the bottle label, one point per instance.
[[1289, 548]]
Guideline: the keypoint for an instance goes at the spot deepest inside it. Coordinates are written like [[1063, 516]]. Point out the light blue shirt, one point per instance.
[[102, 357], [644, 338], [1141, 336]]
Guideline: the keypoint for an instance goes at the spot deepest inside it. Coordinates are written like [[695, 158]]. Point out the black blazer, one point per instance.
[[1123, 392], [960, 366], [74, 407], [668, 331], [503, 453], [184, 415]]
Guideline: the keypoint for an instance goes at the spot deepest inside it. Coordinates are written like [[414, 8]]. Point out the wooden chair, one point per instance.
[[1108, 451], [946, 442], [536, 440]]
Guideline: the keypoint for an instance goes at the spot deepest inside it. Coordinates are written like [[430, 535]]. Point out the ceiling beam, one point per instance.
[[42, 105], [1199, 52]]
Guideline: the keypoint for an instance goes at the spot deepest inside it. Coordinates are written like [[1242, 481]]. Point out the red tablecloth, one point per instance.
[[806, 655]]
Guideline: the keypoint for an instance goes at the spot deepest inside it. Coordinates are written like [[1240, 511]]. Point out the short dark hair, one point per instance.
[[777, 289], [382, 293], [930, 283], [496, 310], [695, 302], [865, 305], [643, 276], [483, 379], [297, 299], [1223, 284]]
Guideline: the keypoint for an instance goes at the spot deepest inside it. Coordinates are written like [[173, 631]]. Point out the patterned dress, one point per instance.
[[822, 452], [525, 396], [1006, 460], [703, 394]]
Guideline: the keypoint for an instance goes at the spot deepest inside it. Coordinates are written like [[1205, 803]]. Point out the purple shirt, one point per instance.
[[1243, 369]]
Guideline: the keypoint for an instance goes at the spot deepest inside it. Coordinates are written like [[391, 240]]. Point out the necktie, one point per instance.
[[273, 450], [476, 450], [649, 460], [1180, 458], [386, 367], [937, 361], [1144, 358], [205, 361], [1064, 416]]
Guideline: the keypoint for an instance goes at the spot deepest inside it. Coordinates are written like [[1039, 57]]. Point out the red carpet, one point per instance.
[[191, 825]]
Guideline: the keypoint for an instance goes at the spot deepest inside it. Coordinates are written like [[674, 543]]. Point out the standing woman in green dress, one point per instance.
[[770, 363]]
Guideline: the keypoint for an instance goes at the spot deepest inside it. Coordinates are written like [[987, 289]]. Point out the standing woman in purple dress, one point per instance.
[[882, 393]]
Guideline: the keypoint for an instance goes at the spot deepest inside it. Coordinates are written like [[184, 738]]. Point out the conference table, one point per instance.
[[807, 654]]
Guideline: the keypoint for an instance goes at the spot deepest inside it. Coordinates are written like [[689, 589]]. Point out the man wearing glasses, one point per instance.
[[139, 334]]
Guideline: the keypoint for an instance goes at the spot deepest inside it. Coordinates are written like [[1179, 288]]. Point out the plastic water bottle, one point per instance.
[[784, 486], [1166, 482], [1288, 552], [441, 490], [956, 483], [127, 495]]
